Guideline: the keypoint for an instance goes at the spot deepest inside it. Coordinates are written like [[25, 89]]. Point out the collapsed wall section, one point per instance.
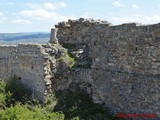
[[124, 62], [77, 36]]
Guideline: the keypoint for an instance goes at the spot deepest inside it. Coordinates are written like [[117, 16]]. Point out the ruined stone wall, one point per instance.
[[31, 64], [126, 68], [4, 61], [125, 62], [118, 65], [27, 64]]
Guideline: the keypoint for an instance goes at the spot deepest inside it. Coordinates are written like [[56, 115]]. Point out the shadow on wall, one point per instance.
[[75, 104], [19, 92]]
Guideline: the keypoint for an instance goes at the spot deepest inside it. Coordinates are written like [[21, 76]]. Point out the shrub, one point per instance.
[[71, 105], [2, 93], [4, 96], [29, 110], [21, 112]]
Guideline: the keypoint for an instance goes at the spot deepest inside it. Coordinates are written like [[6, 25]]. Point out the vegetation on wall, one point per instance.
[[68, 59]]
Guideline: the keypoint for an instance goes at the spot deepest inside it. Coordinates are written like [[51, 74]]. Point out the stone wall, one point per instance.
[[4, 61], [125, 62], [118, 65], [29, 63]]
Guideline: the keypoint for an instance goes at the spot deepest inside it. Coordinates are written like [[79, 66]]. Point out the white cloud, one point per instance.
[[118, 4], [2, 18], [45, 11], [21, 21], [1, 14], [134, 6], [138, 18], [47, 5], [36, 13], [38, 16], [42, 14]]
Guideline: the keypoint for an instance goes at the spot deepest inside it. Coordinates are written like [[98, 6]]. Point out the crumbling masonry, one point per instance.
[[118, 65]]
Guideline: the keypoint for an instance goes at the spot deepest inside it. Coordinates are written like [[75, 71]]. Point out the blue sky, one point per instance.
[[42, 15]]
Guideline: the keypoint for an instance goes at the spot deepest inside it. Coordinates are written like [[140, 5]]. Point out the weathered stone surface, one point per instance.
[[125, 63], [118, 65], [32, 64]]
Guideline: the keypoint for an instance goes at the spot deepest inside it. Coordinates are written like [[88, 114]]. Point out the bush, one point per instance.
[[4, 96], [70, 105], [10, 109], [21, 112], [2, 93]]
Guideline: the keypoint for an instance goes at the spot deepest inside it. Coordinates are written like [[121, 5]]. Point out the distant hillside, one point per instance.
[[17, 38]]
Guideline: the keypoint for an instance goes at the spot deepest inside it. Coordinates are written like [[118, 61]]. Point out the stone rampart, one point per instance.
[[124, 62]]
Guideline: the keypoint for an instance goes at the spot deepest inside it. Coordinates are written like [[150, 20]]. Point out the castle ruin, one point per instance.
[[116, 65]]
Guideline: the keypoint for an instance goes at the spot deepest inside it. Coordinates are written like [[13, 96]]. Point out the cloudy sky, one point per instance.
[[42, 15]]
